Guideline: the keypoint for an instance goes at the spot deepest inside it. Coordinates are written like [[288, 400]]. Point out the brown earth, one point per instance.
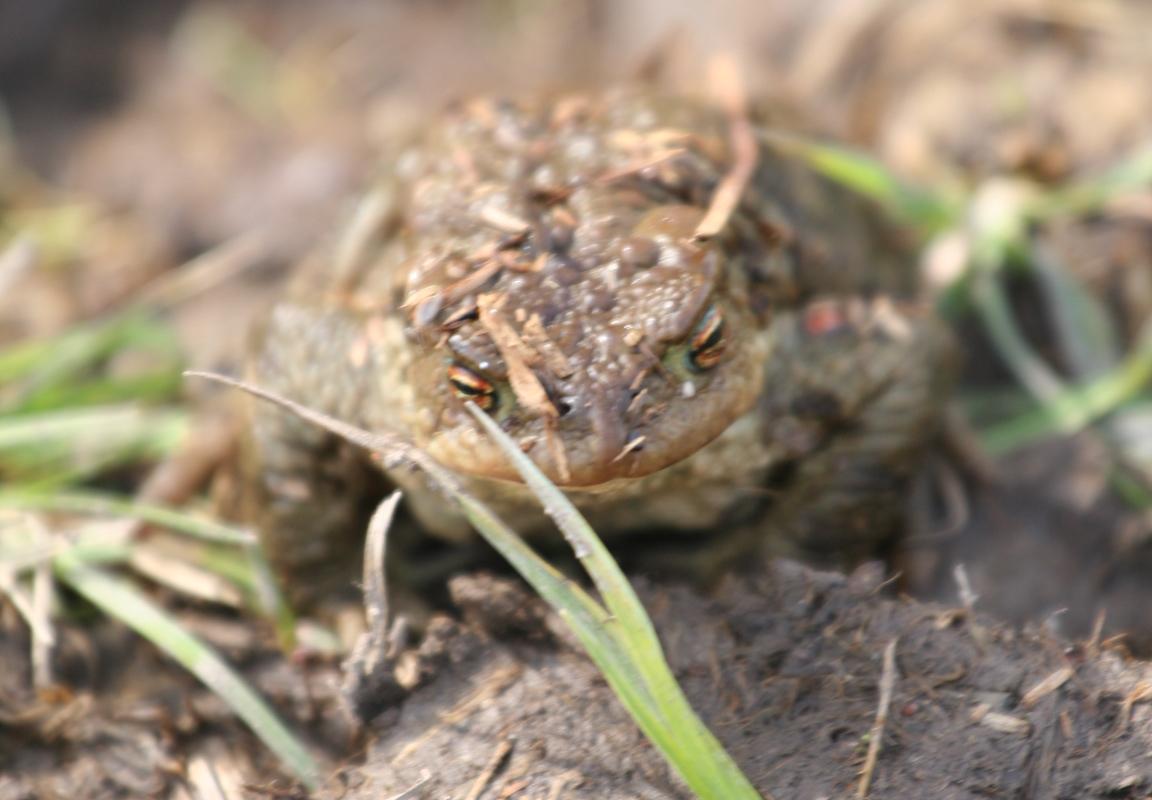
[[785, 667]]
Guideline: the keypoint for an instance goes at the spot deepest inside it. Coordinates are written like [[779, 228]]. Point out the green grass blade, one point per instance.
[[601, 637], [1133, 489], [58, 446], [618, 594], [1070, 410], [591, 622], [39, 375], [999, 235], [1000, 322], [927, 211], [121, 600], [1089, 195], [695, 753], [1085, 333], [216, 547], [78, 502]]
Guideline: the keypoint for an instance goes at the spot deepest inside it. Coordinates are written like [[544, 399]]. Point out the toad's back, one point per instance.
[[540, 259]]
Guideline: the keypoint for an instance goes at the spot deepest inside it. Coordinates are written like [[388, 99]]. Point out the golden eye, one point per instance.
[[709, 338], [468, 385]]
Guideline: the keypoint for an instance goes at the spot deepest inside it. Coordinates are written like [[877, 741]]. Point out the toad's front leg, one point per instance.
[[307, 492]]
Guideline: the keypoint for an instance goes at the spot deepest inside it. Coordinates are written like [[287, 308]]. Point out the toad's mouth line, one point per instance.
[[586, 470], [587, 476], [613, 482]]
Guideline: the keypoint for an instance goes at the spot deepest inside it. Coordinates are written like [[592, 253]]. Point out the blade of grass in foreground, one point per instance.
[[56, 447], [84, 502], [121, 600], [248, 569], [619, 639], [696, 754]]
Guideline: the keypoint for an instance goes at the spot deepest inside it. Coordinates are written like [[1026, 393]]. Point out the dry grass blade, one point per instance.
[[730, 90], [525, 384], [375, 580], [369, 220], [876, 735], [33, 604], [392, 448], [16, 259], [1046, 687], [93, 503], [412, 790], [122, 601], [499, 756], [205, 272]]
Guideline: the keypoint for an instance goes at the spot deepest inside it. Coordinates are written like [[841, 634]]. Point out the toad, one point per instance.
[[774, 379]]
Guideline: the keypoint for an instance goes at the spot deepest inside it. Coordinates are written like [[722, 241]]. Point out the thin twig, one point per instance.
[[375, 581], [34, 606], [369, 220], [628, 170], [561, 782], [499, 755], [204, 272], [393, 449], [727, 84], [968, 599], [887, 686], [16, 260], [504, 221], [410, 792], [1045, 687]]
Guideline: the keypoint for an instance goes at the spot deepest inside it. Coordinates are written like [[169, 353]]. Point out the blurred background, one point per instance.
[[179, 156], [164, 163]]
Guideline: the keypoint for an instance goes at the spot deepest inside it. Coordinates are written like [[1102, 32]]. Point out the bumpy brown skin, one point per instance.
[[570, 223]]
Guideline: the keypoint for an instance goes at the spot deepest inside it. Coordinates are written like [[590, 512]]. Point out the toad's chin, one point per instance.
[[694, 493]]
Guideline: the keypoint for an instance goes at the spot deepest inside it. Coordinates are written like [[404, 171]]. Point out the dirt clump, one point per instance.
[[784, 666]]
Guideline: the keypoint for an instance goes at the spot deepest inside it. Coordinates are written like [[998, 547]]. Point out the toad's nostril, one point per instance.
[[563, 407]]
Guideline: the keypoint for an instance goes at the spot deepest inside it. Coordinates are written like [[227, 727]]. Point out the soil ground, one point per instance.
[[785, 667]]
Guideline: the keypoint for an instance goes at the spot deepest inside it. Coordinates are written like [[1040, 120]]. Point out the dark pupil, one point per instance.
[[470, 386], [708, 342], [714, 337], [470, 389]]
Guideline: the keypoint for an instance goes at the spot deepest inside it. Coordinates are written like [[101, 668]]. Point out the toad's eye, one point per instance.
[[467, 385], [709, 338]]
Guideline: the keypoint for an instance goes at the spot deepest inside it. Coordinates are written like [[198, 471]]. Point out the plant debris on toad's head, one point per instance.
[[550, 274], [608, 359]]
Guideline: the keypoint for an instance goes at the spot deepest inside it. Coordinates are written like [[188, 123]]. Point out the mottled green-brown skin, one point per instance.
[[804, 432]]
